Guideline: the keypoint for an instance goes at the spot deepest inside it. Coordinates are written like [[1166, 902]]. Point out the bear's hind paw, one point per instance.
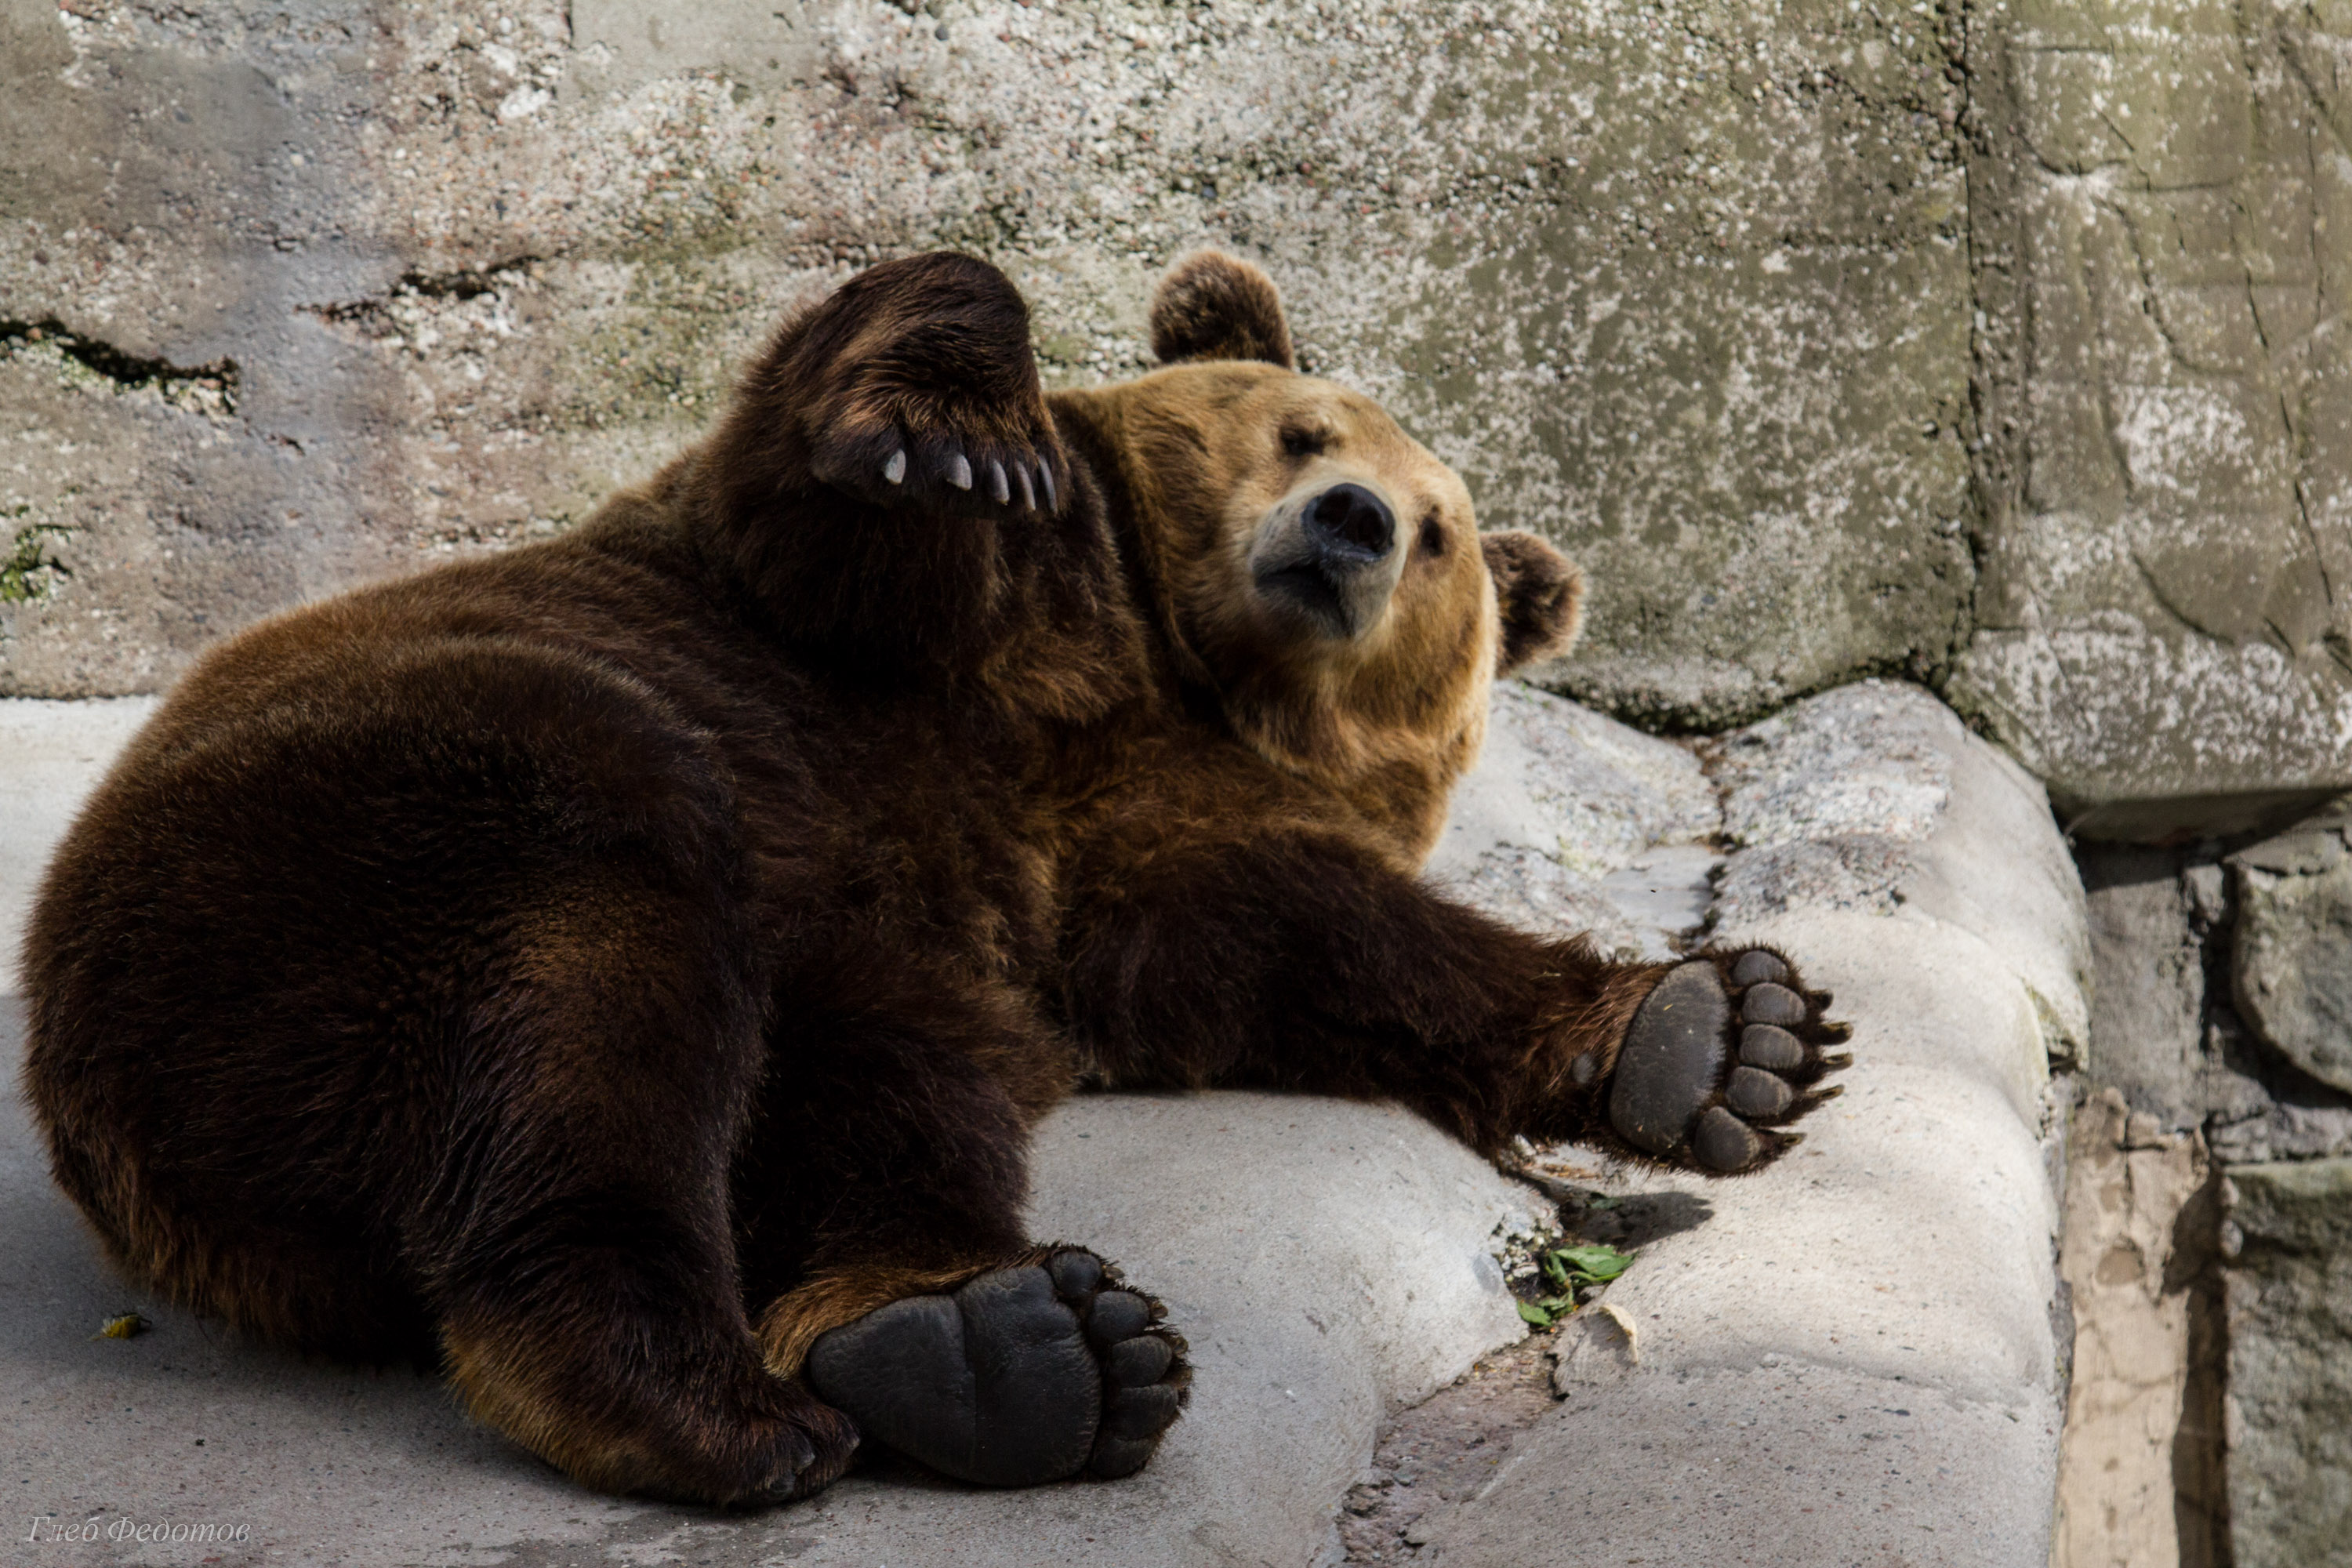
[[1023, 1375], [1723, 1052]]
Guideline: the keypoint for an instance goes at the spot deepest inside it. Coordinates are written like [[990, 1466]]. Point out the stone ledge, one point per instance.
[[1328, 1261], [1902, 1258], [1770, 1464]]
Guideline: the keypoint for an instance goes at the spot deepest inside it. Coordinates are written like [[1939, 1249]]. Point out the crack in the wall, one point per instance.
[[124, 369], [374, 315]]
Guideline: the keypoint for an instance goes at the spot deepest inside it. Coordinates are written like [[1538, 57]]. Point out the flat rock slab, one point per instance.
[[1574, 822], [1787, 1464]]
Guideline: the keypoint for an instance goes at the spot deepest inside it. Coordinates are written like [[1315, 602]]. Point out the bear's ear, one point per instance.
[[1541, 594], [1211, 306]]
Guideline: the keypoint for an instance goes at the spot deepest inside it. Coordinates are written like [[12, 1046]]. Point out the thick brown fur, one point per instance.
[[609, 964]]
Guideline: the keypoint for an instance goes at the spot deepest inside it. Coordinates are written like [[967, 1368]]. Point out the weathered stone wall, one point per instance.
[[2161, 223], [2289, 1238], [1997, 344], [1683, 287], [2218, 969]]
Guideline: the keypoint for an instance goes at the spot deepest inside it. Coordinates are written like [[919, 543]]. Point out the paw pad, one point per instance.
[[1023, 1375], [1726, 1046]]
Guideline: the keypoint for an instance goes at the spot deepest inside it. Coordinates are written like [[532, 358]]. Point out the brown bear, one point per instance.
[[628, 968]]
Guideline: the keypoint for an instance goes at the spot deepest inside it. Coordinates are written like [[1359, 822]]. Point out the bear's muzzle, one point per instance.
[[1329, 557]]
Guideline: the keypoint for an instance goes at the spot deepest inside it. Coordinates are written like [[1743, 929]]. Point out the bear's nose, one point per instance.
[[1351, 523]]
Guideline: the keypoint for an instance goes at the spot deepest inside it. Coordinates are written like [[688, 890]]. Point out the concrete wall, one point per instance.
[[2162, 237], [1998, 344], [1684, 289]]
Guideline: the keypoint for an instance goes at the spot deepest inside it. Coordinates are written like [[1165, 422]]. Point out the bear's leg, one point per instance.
[[1304, 961], [576, 1246], [879, 1197]]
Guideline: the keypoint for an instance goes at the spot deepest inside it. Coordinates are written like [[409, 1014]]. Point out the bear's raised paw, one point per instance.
[[1022, 1375], [917, 389], [1726, 1049]]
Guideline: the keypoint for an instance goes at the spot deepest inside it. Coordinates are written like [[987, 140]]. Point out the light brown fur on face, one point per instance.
[[1218, 458], [1225, 452]]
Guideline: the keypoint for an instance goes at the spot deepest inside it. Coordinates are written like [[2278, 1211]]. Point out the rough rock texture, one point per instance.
[[2166, 1029], [2288, 1239], [2292, 961], [2140, 1472], [1995, 342], [2175, 1043], [294, 295], [1443, 1449], [1870, 797], [2160, 203], [1855, 1356], [1573, 822], [1873, 797]]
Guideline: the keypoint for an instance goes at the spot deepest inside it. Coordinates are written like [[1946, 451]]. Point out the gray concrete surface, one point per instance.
[[51, 754]]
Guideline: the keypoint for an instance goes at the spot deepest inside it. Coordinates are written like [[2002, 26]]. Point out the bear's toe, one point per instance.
[[1726, 1047], [1022, 1376]]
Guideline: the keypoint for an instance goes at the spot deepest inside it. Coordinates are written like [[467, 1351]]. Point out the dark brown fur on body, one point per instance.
[[616, 961]]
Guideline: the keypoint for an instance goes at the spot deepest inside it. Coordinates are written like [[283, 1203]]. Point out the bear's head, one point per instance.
[[1312, 565]]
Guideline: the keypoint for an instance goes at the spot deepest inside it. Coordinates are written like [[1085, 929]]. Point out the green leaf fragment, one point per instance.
[[1587, 1265], [1534, 1314]]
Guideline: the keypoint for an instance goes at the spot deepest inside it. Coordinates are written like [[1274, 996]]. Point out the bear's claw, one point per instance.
[[1726, 1046], [1023, 1375], [940, 470]]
